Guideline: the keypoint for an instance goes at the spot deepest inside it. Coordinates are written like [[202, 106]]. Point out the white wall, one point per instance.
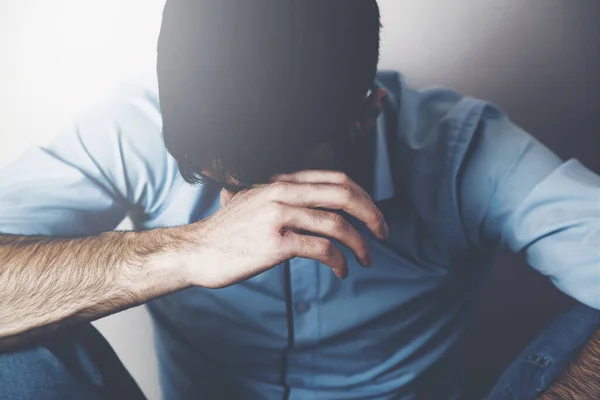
[[59, 56]]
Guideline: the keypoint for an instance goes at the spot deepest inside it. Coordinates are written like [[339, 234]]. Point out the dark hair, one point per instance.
[[248, 87]]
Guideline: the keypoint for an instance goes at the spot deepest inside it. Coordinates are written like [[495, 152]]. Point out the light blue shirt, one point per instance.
[[455, 180]]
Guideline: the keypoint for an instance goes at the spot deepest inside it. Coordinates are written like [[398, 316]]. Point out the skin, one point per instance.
[[51, 282]]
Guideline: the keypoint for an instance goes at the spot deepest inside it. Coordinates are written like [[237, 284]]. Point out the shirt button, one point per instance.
[[302, 307]]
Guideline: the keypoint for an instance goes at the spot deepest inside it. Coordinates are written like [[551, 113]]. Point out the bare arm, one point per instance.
[[47, 282]]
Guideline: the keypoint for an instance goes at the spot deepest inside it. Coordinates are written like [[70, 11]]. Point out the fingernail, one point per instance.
[[386, 230], [369, 260], [364, 261]]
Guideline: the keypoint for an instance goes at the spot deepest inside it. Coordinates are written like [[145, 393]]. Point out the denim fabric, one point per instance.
[[545, 359], [79, 364], [74, 364]]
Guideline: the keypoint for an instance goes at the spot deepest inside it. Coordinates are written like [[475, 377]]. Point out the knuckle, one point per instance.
[[278, 213], [327, 248], [279, 238], [338, 222], [347, 194], [341, 177], [305, 243], [277, 189], [346, 188], [319, 218]]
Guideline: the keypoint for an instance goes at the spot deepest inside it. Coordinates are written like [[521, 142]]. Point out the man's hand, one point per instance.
[[50, 282], [293, 216]]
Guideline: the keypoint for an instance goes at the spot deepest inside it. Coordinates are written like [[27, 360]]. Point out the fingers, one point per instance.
[[331, 225], [320, 176], [319, 249], [376, 98], [344, 197], [373, 109]]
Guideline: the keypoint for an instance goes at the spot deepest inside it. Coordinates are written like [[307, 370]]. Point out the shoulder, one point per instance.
[[434, 134], [429, 132], [130, 112], [436, 130], [428, 116], [119, 141]]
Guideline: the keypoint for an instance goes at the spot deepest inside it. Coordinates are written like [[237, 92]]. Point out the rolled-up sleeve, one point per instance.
[[109, 163], [516, 192]]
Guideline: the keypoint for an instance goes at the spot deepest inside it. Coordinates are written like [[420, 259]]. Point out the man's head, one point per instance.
[[252, 88]]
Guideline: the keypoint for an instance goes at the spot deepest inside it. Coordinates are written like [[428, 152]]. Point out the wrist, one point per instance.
[[192, 250], [161, 267]]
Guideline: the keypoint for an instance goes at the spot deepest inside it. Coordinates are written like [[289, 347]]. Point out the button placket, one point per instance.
[[302, 307], [304, 287]]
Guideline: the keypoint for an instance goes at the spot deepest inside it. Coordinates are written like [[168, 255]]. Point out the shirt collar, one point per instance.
[[383, 182]]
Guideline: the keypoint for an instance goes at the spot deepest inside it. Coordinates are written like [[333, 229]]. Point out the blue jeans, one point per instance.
[[76, 364], [80, 364], [544, 360]]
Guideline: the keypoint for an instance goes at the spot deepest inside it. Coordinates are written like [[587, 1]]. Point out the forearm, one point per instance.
[[581, 381], [47, 282]]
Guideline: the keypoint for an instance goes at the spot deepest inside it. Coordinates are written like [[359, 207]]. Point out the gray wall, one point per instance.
[[538, 60]]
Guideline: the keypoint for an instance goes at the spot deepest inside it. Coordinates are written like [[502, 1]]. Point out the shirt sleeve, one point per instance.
[[109, 163], [515, 191]]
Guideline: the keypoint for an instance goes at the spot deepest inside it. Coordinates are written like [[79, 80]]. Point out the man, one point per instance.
[[262, 104]]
